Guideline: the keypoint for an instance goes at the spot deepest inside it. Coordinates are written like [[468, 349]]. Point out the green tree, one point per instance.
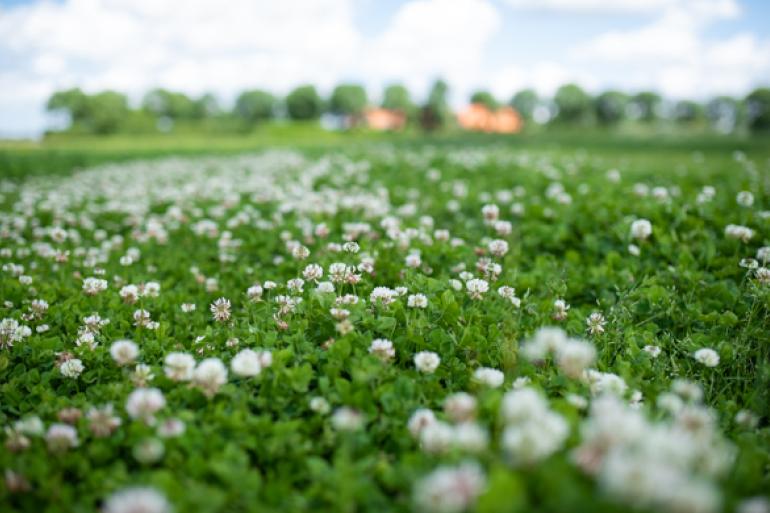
[[574, 104], [525, 102], [645, 106], [758, 109], [435, 114], [610, 107], [687, 111], [348, 99], [106, 112], [304, 103], [485, 98], [206, 106], [724, 113], [255, 106], [73, 103], [169, 104], [396, 97]]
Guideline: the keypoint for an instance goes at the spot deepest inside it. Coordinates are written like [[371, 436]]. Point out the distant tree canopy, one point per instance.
[[485, 98], [348, 99], [170, 104], [645, 105], [525, 102], [435, 114], [108, 112], [100, 113], [255, 106], [686, 111], [397, 97], [758, 109], [610, 107], [573, 103], [303, 103]]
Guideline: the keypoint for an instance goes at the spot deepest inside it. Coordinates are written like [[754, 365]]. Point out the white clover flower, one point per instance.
[[605, 382], [574, 356], [102, 421], [129, 294], [450, 489], [320, 405], [653, 351], [476, 288], [596, 323], [427, 361], [347, 419], [171, 428], [148, 450], [71, 368], [144, 403], [61, 437], [533, 431], [325, 287], [220, 309], [383, 296], [436, 437], [490, 213], [470, 437], [498, 247], [742, 233], [209, 375], [313, 272], [92, 286], [560, 309], [509, 293], [641, 229], [489, 377], [744, 198], [246, 363], [124, 352], [460, 406], [417, 301], [456, 284], [413, 260], [295, 285], [188, 307], [707, 357], [419, 420], [179, 366], [382, 349], [137, 500]]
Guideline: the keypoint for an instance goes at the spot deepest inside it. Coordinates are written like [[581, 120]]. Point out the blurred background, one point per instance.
[[295, 69]]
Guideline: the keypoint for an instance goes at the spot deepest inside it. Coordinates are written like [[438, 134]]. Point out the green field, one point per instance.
[[555, 322]]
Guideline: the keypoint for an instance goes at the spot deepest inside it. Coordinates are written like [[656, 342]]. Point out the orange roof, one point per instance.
[[384, 119], [478, 118]]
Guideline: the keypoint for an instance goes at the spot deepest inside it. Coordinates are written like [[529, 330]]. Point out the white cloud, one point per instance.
[[709, 8], [672, 55], [434, 38]]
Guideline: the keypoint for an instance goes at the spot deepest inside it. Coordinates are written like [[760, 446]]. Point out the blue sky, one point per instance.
[[681, 48]]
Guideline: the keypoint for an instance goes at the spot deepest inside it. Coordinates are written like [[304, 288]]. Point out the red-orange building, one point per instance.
[[478, 117], [384, 119]]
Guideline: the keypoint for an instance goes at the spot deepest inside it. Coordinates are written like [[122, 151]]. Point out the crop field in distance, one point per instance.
[[437, 329]]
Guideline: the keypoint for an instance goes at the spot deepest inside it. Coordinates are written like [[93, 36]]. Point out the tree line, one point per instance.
[[109, 112]]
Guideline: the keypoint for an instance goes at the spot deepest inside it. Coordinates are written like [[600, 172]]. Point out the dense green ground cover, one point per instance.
[[656, 394]]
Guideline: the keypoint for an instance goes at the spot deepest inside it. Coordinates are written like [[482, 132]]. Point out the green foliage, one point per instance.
[[258, 445], [610, 107], [525, 102], [303, 103], [758, 109], [485, 98], [348, 99], [435, 114], [397, 97], [255, 106], [645, 106], [573, 104]]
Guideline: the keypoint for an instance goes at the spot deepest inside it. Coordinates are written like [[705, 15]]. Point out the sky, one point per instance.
[[680, 48]]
